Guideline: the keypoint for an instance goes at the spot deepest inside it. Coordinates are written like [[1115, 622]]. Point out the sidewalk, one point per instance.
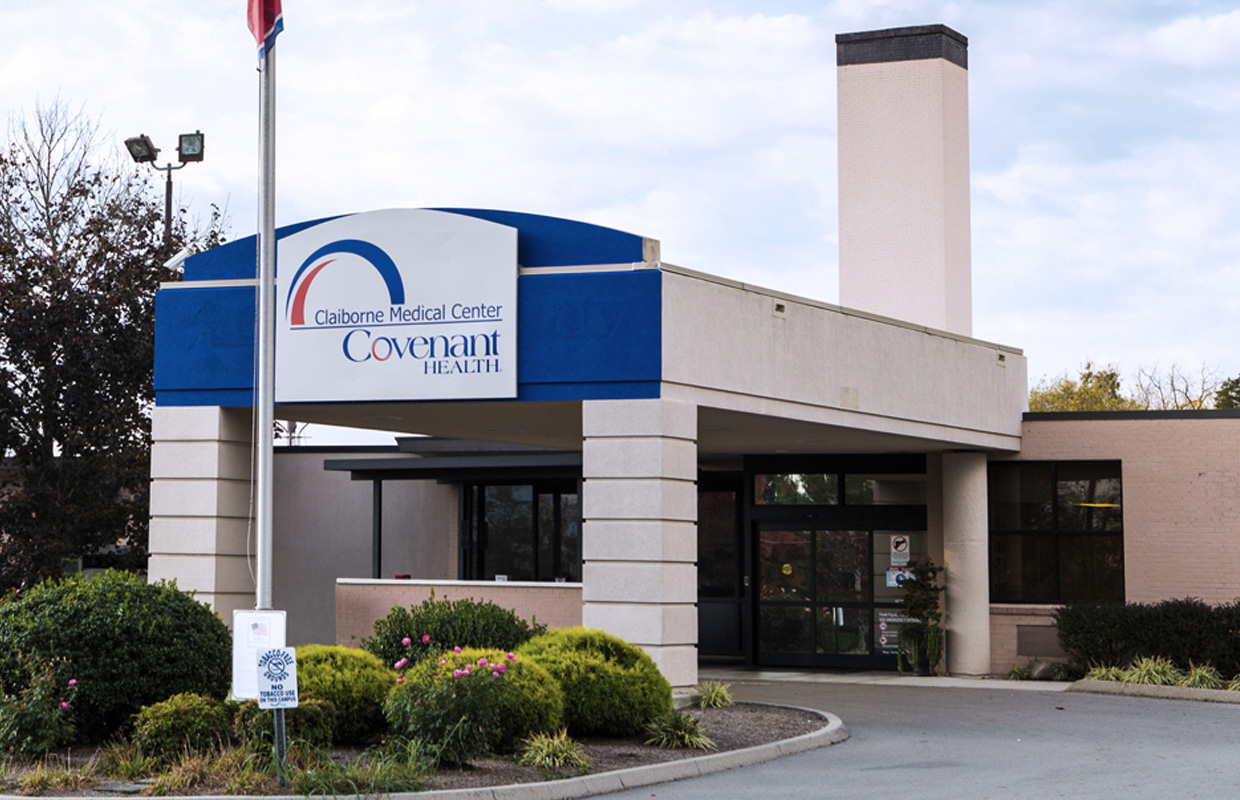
[[741, 675]]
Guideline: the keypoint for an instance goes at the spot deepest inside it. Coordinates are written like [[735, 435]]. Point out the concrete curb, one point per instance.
[[1156, 692], [619, 780]]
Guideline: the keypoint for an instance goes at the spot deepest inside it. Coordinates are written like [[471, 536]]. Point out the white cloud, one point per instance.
[[1197, 41]]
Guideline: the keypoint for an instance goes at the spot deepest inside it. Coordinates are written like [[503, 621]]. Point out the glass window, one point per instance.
[[1020, 497], [1056, 532], [717, 540], [796, 489], [885, 490], [1088, 497], [509, 519], [522, 532]]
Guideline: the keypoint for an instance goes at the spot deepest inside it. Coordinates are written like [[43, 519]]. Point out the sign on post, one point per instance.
[[253, 631], [277, 678]]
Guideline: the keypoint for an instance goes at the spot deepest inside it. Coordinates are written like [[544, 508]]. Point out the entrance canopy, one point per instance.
[[597, 317]]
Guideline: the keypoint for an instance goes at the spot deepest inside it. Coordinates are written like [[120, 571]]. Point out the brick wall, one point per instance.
[[1181, 507], [360, 602]]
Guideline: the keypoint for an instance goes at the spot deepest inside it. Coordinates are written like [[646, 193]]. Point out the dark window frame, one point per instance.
[[1056, 535], [474, 532]]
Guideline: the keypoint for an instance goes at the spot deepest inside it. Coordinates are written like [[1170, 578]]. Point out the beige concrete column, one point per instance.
[[966, 559], [639, 547], [200, 504]]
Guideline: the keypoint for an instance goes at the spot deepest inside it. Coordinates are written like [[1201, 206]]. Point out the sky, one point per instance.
[[1105, 136]]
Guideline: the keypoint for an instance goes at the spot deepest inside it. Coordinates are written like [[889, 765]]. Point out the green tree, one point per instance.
[[81, 255], [1096, 389], [1228, 394]]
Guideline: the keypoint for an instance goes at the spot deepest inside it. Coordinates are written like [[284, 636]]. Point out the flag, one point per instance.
[[266, 21]]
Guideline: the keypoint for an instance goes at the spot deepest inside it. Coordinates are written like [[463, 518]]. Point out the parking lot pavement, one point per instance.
[[947, 738]]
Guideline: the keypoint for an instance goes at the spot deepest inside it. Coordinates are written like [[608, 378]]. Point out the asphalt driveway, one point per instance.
[[987, 741]]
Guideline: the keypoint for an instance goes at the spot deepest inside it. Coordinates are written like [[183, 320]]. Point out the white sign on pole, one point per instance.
[[253, 631], [900, 550], [399, 304], [277, 678]]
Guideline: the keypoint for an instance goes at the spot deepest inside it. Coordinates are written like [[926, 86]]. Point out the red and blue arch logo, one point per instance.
[[315, 263]]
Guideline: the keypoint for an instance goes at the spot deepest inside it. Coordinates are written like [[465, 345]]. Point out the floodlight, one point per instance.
[[190, 147], [142, 149]]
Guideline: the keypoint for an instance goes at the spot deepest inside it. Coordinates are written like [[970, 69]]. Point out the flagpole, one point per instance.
[[266, 328]]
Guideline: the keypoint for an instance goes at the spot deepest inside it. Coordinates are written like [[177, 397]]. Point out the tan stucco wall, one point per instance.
[[360, 602], [323, 532], [904, 192], [731, 346]]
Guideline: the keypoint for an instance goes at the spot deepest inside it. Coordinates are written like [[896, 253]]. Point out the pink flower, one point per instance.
[[494, 674], [73, 681], [456, 649], [426, 637], [456, 673], [400, 680], [482, 662], [400, 664], [64, 705], [443, 661], [500, 667], [511, 656], [406, 641]]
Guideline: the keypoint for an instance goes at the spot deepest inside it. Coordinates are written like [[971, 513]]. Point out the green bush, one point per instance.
[[1153, 671], [354, 681], [474, 702], [676, 729], [183, 723], [439, 625], [610, 687], [40, 717], [1184, 631], [313, 722], [128, 643]]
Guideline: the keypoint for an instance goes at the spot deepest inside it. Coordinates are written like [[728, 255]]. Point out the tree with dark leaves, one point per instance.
[[81, 254]]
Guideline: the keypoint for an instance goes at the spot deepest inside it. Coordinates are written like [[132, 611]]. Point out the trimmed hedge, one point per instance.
[[127, 643], [353, 680], [439, 625], [1187, 631], [611, 687], [183, 722]]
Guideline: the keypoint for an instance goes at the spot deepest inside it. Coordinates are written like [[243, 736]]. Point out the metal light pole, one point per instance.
[[144, 151]]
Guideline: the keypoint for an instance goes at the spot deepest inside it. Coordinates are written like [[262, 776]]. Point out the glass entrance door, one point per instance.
[[815, 596]]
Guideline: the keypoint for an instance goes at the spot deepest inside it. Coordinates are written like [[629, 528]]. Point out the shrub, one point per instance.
[[474, 701], [1105, 674], [677, 729], [437, 625], [182, 723], [128, 643], [610, 687], [40, 717], [354, 681], [1185, 631], [1153, 672], [1202, 676], [554, 751], [313, 723], [711, 694]]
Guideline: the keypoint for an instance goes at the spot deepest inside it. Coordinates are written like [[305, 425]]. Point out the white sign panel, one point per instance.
[[253, 631], [402, 304], [277, 678], [900, 548]]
